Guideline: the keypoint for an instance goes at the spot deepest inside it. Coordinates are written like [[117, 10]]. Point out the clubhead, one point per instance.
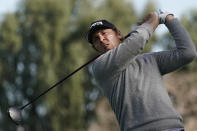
[[15, 115]]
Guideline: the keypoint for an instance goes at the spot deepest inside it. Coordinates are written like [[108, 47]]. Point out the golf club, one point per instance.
[[15, 113]]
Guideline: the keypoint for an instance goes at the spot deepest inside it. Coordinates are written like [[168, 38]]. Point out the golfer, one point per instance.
[[132, 82]]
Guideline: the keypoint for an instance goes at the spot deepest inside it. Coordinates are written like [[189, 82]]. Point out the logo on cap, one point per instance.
[[97, 23]]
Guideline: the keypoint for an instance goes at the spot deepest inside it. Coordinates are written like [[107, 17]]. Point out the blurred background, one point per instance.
[[41, 41]]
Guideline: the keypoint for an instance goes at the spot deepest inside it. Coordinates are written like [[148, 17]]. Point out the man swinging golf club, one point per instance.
[[132, 82]]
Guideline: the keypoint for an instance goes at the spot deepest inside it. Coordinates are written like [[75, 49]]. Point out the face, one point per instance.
[[104, 40]]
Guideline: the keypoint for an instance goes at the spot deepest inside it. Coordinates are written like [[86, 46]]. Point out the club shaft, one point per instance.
[[59, 82]]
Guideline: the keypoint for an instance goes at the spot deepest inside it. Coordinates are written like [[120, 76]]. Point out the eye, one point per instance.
[[104, 32]]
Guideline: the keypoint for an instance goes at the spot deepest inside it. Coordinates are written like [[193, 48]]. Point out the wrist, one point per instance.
[[169, 17]]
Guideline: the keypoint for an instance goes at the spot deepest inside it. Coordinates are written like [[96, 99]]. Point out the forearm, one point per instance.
[[152, 19], [182, 39], [184, 53]]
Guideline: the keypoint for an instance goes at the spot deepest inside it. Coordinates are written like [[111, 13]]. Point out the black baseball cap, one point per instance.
[[96, 25]]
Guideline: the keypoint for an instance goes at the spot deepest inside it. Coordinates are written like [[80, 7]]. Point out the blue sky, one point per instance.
[[8, 6], [177, 7]]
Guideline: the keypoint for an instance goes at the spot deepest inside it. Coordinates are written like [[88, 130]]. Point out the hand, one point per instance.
[[164, 16], [152, 19]]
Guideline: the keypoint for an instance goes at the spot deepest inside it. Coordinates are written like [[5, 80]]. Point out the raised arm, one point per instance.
[[184, 53]]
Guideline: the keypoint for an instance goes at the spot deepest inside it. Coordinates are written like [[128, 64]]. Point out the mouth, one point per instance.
[[105, 47]]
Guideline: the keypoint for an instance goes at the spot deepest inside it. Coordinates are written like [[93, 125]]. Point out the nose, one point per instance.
[[101, 37]]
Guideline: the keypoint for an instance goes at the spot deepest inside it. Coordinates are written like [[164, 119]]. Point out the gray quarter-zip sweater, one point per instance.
[[132, 82]]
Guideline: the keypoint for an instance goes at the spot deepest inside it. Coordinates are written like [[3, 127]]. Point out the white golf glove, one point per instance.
[[162, 16]]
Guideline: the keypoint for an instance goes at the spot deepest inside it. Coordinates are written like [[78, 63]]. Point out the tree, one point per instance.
[[10, 46], [122, 14], [149, 7], [33, 57]]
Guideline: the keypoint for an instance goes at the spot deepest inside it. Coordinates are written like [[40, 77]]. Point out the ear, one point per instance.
[[94, 48], [119, 34]]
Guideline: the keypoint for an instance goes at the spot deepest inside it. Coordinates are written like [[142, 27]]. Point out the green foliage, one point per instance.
[[10, 37], [122, 14], [33, 58], [150, 7], [10, 44]]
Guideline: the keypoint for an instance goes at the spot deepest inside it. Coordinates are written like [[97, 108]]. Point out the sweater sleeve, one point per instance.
[[184, 53], [118, 58]]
